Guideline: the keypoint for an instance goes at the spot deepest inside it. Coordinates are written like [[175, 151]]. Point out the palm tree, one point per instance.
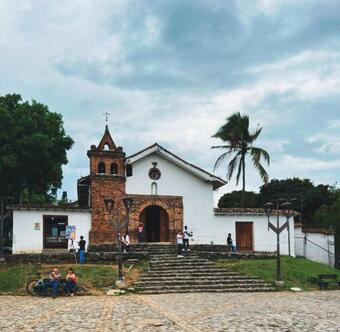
[[239, 143]]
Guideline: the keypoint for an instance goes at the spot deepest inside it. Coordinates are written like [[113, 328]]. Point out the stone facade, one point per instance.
[[173, 206], [107, 180]]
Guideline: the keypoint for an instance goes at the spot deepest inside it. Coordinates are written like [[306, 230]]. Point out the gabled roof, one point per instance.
[[199, 172]]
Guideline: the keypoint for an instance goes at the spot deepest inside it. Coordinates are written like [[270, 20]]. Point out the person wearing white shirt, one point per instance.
[[125, 242], [179, 241]]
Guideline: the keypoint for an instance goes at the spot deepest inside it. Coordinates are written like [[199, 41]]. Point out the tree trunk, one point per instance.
[[243, 180]]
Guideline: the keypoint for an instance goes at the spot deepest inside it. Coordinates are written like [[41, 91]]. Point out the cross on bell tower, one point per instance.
[[106, 114]]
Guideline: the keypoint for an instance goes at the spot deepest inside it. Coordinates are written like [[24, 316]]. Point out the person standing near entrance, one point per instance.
[[81, 250], [125, 242], [186, 236], [141, 233], [179, 241]]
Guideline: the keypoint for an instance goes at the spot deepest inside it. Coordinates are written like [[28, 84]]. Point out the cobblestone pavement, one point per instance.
[[309, 311]]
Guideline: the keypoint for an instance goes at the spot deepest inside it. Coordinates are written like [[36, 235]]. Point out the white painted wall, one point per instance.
[[263, 239], [28, 240], [198, 205], [311, 248], [197, 194]]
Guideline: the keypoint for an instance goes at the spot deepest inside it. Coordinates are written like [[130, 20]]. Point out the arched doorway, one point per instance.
[[156, 223]]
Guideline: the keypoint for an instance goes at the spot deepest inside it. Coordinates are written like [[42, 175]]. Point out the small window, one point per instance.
[[101, 168], [114, 169], [106, 147], [129, 170], [153, 188]]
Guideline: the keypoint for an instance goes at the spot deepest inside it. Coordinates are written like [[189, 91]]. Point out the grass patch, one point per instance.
[[95, 277], [296, 272], [13, 278]]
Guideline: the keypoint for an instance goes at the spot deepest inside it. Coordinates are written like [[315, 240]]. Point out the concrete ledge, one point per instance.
[[237, 255], [59, 258]]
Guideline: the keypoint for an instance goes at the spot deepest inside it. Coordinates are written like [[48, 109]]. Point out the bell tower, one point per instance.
[[107, 178]]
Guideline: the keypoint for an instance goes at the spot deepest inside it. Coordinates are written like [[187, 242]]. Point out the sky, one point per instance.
[[172, 71]]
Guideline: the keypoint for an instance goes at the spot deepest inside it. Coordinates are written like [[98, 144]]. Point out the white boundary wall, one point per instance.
[[317, 247], [26, 239], [264, 239]]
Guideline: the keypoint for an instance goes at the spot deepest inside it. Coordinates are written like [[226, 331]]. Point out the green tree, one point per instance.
[[239, 144], [33, 148], [328, 217], [233, 199], [308, 196]]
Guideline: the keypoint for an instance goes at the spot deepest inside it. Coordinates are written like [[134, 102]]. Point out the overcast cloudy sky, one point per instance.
[[172, 71]]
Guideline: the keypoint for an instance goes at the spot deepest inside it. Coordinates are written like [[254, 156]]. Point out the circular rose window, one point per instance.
[[154, 172]]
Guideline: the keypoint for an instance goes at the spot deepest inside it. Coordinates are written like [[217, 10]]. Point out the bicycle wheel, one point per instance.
[[32, 288]]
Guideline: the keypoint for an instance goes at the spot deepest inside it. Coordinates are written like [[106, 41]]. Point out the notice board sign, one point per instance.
[[70, 232]]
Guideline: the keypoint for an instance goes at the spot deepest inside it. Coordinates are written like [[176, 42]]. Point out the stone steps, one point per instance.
[[187, 268], [208, 290], [171, 274], [193, 274], [198, 277], [202, 283]]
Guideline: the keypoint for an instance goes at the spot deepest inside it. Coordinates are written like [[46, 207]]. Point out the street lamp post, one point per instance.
[[288, 212], [109, 204], [128, 204]]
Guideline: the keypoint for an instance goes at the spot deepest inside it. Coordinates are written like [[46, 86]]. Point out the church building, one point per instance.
[[165, 193]]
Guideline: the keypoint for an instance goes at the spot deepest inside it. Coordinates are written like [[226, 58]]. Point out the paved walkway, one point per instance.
[[310, 311]]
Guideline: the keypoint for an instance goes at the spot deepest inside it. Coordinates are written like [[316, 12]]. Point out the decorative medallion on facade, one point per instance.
[[154, 172]]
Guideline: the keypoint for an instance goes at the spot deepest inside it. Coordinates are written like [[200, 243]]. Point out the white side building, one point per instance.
[[36, 229], [315, 244]]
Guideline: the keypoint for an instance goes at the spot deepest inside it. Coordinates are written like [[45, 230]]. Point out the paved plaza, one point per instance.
[[308, 311]]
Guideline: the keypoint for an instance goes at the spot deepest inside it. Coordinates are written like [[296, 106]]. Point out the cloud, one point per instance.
[[173, 71]]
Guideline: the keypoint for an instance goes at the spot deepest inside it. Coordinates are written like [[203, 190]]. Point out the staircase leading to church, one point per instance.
[[191, 273]]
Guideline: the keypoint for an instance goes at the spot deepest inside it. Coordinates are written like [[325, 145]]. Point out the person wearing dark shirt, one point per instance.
[[82, 244], [230, 243]]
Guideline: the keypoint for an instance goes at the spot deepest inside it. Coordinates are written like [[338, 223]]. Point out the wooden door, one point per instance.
[[244, 236], [164, 226]]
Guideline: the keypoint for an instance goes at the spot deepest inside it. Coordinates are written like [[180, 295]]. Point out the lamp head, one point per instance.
[[128, 203], [287, 209], [268, 208], [109, 204]]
